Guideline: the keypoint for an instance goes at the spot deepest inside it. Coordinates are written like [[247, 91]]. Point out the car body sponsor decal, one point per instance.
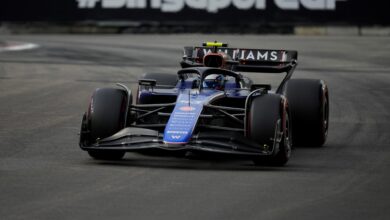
[[184, 117]]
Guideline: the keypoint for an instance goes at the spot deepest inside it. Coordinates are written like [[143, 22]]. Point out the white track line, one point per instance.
[[17, 46]]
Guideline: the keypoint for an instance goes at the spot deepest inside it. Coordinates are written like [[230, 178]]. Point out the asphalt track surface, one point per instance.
[[44, 174]]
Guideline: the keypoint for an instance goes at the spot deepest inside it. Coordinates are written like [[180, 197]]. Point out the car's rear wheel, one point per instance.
[[106, 116], [268, 122], [309, 105]]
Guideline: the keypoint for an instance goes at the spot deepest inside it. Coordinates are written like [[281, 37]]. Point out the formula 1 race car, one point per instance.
[[210, 107]]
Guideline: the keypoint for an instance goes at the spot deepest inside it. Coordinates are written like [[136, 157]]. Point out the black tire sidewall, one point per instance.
[[308, 99], [107, 112], [264, 113]]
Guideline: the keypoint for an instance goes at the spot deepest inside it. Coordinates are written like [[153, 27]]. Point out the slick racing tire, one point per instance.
[[106, 116], [268, 116], [309, 105]]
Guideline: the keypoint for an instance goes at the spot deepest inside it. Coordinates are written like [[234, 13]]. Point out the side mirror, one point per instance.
[[147, 82]]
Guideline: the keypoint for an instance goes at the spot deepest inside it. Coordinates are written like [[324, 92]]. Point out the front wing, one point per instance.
[[137, 139]]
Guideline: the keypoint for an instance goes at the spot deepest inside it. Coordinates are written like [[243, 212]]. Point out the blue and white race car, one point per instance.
[[209, 106]]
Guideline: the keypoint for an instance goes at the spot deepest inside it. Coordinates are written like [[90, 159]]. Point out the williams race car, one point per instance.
[[210, 107]]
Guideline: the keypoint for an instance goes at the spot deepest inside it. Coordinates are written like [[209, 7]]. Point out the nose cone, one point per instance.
[[184, 117], [182, 123]]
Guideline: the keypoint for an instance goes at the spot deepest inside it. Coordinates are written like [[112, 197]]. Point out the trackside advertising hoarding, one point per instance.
[[359, 12]]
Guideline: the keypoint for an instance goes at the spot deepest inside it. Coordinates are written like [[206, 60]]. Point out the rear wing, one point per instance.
[[242, 59]]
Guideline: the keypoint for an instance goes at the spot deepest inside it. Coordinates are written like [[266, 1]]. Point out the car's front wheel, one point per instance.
[[106, 115], [268, 124]]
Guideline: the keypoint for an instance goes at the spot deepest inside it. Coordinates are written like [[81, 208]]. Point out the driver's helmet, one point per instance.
[[214, 81]]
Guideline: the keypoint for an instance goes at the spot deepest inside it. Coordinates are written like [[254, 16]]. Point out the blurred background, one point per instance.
[[318, 17]]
